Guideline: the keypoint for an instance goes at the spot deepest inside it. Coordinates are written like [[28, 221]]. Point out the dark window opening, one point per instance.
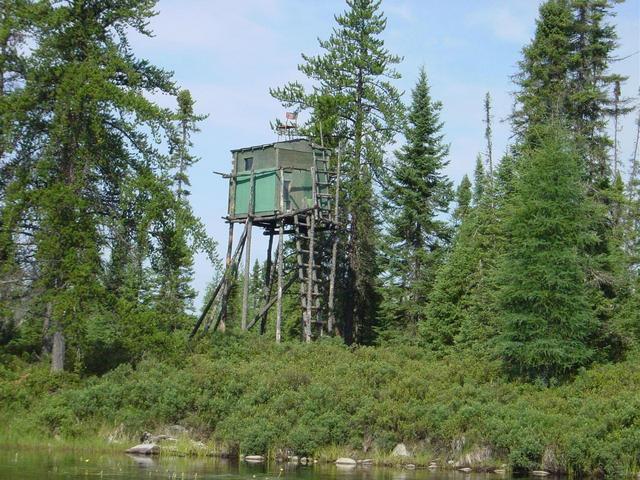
[[248, 163]]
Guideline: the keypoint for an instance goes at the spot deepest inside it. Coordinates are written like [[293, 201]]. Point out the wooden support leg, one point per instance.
[[247, 262], [280, 261], [223, 318], [268, 277], [310, 276], [245, 279], [332, 283]]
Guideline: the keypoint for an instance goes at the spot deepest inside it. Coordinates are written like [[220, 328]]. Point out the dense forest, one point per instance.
[[496, 320]]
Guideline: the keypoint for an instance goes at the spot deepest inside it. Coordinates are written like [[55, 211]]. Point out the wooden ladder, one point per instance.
[[304, 226]]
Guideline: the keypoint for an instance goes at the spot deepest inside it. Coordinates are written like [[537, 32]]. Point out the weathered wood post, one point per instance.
[[280, 259], [223, 318], [268, 277], [334, 250], [247, 258]]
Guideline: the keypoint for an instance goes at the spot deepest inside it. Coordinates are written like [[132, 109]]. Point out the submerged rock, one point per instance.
[[400, 450], [144, 449], [540, 473], [465, 469], [254, 458], [346, 462]]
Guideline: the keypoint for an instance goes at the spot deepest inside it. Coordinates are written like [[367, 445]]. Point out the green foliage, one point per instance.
[[94, 238], [463, 200], [547, 320], [258, 396], [364, 111], [418, 194]]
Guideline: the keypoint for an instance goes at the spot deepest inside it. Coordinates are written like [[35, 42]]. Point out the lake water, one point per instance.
[[50, 464]]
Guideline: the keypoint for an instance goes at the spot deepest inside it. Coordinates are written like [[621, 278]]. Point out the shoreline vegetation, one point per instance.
[[251, 397], [489, 325]]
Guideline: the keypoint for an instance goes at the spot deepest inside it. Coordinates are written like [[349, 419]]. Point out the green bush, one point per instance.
[[257, 396]]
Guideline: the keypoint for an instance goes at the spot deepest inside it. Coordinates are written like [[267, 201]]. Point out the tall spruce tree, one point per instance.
[[355, 70], [547, 323], [461, 310], [14, 23], [463, 200], [418, 194], [565, 74], [565, 71], [91, 189]]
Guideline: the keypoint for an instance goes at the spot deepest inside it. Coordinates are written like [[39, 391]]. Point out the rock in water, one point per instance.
[[400, 450], [346, 462], [465, 469], [254, 458], [145, 449], [540, 473]]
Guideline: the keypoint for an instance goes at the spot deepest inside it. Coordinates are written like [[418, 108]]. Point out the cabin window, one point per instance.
[[285, 193], [248, 163]]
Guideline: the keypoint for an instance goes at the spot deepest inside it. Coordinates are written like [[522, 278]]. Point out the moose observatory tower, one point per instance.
[[286, 188]]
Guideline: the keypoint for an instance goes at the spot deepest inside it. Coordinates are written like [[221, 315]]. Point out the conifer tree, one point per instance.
[[463, 200], [565, 72], [547, 323], [418, 194], [94, 191], [355, 70]]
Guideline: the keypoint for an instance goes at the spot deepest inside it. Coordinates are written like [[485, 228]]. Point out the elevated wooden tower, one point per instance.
[[285, 188]]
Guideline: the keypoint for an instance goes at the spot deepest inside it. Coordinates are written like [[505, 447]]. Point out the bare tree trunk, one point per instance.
[[46, 325], [58, 351]]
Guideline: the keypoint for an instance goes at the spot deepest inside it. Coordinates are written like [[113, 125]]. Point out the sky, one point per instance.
[[229, 53]]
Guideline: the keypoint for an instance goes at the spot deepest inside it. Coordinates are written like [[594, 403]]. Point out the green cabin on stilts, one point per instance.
[[284, 168]]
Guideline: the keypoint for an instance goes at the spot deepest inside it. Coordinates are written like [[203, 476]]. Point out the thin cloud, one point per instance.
[[510, 22]]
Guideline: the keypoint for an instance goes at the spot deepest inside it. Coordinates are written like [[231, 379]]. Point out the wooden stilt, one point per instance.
[[280, 262], [226, 281], [247, 258], [223, 319], [269, 304], [334, 251], [311, 223], [268, 277], [280, 280]]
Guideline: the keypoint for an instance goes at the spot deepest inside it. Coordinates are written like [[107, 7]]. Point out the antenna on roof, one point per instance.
[[289, 129]]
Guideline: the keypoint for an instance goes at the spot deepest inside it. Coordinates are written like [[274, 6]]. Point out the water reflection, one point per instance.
[[52, 464]]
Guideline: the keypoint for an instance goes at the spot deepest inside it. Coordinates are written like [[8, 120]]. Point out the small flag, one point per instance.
[[291, 116]]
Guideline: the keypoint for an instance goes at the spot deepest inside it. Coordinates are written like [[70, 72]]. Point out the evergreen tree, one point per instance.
[[547, 320], [461, 311], [354, 70], [565, 72], [463, 200], [544, 70], [418, 194], [479, 181], [187, 125], [90, 187]]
